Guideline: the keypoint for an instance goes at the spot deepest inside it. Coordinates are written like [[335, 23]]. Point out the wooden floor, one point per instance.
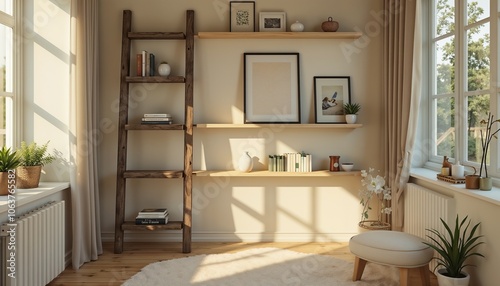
[[113, 269]]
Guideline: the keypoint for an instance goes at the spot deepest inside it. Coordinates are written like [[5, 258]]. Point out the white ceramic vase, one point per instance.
[[297, 27], [245, 163], [350, 118], [164, 69], [449, 281]]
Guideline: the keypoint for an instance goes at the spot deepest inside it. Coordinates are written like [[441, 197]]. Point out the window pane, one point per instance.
[[445, 126], [445, 17], [478, 58], [445, 66], [6, 80], [478, 107], [6, 6], [477, 10]]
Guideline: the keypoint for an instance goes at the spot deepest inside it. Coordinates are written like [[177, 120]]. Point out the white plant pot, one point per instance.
[[350, 118], [449, 281]]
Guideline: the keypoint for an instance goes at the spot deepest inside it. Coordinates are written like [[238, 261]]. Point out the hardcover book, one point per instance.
[[154, 211], [151, 221]]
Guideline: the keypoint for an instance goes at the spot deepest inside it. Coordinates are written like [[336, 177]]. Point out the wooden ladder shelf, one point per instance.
[[122, 173]]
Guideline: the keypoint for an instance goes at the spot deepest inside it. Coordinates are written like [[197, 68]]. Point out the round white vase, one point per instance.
[[350, 118], [245, 163], [297, 27], [164, 69]]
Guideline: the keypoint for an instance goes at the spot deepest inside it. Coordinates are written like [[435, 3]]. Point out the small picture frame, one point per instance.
[[272, 22], [330, 95], [242, 16], [271, 88]]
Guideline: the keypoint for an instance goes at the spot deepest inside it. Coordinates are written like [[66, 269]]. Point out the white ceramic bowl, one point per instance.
[[347, 166]]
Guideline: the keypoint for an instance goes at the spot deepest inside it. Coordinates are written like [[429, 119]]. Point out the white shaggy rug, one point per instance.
[[261, 266]]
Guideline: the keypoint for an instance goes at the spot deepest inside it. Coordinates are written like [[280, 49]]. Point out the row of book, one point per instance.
[[290, 162], [152, 216], [157, 118], [145, 64]]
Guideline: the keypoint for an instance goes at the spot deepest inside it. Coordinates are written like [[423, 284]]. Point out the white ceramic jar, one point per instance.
[[245, 163], [164, 69], [297, 27]]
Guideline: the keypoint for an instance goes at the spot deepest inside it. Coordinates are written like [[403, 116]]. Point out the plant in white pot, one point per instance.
[[454, 247], [487, 135], [33, 158], [351, 111], [9, 160]]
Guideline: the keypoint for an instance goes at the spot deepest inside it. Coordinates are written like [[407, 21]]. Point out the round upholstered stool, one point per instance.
[[392, 248]]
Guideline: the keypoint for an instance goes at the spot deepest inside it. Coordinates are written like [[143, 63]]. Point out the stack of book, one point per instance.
[[157, 118], [290, 162], [152, 216]]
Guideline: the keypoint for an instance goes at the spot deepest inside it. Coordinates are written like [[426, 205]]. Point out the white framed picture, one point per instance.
[[272, 22]]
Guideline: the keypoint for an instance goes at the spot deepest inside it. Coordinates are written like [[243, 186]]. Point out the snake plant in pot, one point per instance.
[[351, 111], [454, 247], [9, 160], [33, 158]]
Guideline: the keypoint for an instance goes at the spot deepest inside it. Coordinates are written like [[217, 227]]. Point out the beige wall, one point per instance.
[[241, 208]]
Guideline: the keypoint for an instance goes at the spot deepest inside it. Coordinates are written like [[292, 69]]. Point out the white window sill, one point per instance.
[[26, 196], [430, 176]]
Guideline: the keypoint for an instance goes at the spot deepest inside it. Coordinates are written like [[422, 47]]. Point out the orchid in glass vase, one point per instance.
[[374, 190]]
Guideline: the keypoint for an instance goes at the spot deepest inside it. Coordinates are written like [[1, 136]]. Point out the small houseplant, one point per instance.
[[486, 137], [374, 190], [33, 158], [9, 160], [351, 111], [454, 248]]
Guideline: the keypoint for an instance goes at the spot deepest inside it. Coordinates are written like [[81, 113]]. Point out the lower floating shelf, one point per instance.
[[171, 225], [320, 173]]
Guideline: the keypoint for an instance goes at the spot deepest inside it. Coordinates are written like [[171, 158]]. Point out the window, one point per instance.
[[462, 89], [7, 70]]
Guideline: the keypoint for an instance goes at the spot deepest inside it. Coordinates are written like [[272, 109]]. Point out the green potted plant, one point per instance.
[[9, 160], [33, 158], [351, 111], [454, 248]]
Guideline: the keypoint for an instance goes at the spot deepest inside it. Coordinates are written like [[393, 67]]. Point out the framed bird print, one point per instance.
[[330, 95], [271, 88]]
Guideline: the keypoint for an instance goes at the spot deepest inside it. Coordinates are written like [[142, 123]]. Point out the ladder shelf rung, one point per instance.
[[171, 225], [155, 174], [156, 35]]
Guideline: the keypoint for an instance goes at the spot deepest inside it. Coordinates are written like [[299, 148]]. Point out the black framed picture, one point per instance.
[[242, 16], [271, 88], [330, 95], [272, 22]]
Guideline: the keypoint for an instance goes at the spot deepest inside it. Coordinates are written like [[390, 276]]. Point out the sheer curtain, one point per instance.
[[83, 142], [402, 73]]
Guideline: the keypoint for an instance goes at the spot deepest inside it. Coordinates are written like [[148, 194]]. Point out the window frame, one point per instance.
[[461, 93]]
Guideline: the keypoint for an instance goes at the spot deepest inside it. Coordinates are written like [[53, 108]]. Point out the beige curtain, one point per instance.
[[84, 122], [402, 73]]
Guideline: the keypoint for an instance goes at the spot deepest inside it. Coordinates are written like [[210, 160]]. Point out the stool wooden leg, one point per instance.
[[359, 267], [404, 273], [425, 275]]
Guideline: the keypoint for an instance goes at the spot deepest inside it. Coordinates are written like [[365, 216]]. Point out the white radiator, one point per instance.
[[38, 238], [423, 210]]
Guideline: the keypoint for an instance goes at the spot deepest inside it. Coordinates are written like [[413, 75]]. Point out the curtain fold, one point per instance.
[[402, 73], [87, 243]]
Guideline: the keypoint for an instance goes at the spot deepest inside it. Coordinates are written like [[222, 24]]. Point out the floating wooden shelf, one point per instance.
[[320, 173], [277, 125], [156, 35], [171, 225], [279, 35]]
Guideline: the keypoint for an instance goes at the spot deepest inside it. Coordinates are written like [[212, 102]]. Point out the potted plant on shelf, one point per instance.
[[374, 188], [33, 158], [9, 160], [351, 111], [454, 248], [486, 137]]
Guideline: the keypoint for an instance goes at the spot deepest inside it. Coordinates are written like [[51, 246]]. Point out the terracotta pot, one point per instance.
[[28, 177]]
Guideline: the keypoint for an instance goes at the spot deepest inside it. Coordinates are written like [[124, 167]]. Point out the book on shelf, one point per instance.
[[290, 162], [139, 64], [156, 211], [147, 221], [159, 115], [151, 64], [157, 119], [144, 60]]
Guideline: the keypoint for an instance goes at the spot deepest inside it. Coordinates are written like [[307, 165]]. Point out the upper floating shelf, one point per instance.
[[279, 35], [276, 125]]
